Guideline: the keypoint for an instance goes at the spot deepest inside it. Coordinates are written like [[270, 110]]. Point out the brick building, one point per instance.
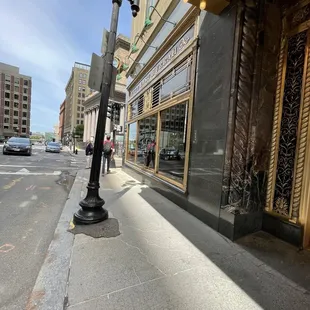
[[15, 102]]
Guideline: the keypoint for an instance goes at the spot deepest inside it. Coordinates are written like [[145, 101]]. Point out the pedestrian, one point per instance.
[[89, 154], [108, 149], [151, 153]]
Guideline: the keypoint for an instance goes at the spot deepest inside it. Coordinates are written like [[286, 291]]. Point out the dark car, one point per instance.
[[52, 147], [169, 154], [17, 145]]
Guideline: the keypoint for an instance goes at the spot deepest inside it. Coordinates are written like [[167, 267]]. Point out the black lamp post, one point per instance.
[[92, 210]]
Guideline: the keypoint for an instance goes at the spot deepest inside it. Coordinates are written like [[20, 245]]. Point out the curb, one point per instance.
[[50, 289]]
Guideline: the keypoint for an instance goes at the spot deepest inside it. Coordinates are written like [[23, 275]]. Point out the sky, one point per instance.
[[45, 37]]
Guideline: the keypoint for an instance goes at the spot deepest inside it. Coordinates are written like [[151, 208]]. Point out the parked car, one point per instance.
[[17, 145], [169, 154], [52, 147]]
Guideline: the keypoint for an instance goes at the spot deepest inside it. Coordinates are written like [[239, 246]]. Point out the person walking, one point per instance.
[[108, 149], [89, 154], [151, 153]]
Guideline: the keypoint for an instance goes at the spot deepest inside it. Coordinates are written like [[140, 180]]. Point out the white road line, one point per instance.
[[27, 166], [30, 173]]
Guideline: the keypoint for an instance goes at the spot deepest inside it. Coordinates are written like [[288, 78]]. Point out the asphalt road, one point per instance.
[[33, 191]]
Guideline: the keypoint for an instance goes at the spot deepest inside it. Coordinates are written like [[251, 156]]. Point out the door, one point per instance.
[[287, 191]]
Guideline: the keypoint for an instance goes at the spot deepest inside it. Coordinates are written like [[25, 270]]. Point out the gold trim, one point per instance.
[[296, 7], [185, 23], [300, 28], [304, 217], [186, 53], [157, 141], [276, 125], [156, 175], [162, 106], [171, 181], [302, 136], [189, 118]]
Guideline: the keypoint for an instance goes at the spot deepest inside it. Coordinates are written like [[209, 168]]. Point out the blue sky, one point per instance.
[[45, 37]]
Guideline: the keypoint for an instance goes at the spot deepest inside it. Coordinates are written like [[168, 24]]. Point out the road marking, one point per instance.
[[45, 188], [31, 187], [34, 197], [23, 170], [30, 173], [12, 183], [24, 204], [26, 165], [6, 248]]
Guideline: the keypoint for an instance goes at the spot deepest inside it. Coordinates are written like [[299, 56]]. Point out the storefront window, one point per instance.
[[132, 136], [147, 141], [172, 142]]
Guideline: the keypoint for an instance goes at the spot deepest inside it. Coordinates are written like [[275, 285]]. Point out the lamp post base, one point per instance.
[[91, 211]]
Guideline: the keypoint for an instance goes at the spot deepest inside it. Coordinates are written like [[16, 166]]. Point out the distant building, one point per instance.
[[76, 92], [61, 120], [115, 122], [15, 101], [56, 132]]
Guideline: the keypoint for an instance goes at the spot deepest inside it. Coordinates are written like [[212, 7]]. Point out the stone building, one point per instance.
[[76, 91], [224, 91], [91, 105]]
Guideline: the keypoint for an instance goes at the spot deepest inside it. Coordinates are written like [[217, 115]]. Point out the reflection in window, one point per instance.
[[173, 142], [175, 17], [176, 82], [147, 141], [132, 135]]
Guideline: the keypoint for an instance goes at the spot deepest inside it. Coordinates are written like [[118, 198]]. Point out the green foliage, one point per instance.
[[79, 130]]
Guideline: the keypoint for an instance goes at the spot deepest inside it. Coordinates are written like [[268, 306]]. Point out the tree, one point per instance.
[[79, 130]]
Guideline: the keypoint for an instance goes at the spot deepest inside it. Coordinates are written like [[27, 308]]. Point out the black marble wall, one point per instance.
[[210, 115], [248, 146]]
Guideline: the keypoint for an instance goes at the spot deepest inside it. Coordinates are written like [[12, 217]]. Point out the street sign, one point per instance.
[[96, 74], [105, 39]]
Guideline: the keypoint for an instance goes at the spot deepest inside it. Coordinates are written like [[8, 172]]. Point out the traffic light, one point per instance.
[[135, 8], [116, 108], [110, 111]]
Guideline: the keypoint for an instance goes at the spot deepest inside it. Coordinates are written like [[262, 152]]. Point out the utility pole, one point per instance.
[[92, 210]]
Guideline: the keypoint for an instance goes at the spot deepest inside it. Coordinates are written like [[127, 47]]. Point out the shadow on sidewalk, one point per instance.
[[261, 249]]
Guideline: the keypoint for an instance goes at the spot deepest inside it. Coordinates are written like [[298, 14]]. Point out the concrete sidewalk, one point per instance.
[[164, 258]]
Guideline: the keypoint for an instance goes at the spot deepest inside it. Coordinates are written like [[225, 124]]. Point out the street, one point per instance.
[[33, 192]]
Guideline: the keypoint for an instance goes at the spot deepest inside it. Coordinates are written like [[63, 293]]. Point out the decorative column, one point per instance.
[[96, 118], [85, 127], [89, 125], [92, 126]]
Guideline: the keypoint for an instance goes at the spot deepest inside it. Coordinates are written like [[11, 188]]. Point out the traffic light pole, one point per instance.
[[92, 210]]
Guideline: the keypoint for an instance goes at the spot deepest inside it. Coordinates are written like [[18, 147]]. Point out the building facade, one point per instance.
[[116, 115], [76, 91], [62, 121], [230, 116], [15, 102]]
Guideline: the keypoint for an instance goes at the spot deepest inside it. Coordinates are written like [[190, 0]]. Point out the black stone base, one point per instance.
[[282, 229], [236, 226]]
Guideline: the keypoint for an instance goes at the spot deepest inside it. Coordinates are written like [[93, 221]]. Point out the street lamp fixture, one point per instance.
[[92, 210], [149, 23]]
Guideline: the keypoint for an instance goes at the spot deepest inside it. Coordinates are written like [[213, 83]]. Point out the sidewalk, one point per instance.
[[164, 258]]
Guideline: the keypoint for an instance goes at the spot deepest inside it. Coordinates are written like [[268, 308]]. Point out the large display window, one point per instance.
[[132, 142], [147, 141], [172, 142]]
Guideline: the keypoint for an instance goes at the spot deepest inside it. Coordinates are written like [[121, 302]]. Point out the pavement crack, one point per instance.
[[142, 253]]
